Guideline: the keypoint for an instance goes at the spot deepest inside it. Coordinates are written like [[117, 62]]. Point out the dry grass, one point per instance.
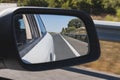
[[109, 60], [106, 18]]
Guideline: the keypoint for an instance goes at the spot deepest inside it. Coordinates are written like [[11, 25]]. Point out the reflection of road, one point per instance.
[[62, 49], [80, 46]]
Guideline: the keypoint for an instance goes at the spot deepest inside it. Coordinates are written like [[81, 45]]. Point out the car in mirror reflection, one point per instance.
[[29, 28]]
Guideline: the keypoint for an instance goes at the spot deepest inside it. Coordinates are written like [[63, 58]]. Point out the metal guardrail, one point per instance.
[[82, 37], [108, 30]]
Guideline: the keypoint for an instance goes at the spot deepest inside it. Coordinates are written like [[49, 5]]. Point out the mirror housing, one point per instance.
[[8, 41]]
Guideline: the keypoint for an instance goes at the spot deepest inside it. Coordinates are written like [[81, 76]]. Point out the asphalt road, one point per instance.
[[62, 49], [80, 46]]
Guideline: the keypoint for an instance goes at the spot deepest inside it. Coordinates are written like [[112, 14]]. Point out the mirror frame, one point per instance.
[[94, 47]]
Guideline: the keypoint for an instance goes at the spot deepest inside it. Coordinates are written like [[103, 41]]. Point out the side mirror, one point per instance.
[[44, 38]]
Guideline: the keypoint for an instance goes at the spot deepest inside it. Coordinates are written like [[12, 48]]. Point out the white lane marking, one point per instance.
[[70, 46]]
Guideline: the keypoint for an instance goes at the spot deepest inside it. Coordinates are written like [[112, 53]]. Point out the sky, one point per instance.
[[55, 23]]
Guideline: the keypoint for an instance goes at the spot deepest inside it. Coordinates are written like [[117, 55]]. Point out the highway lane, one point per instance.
[[70, 49], [80, 46], [62, 50]]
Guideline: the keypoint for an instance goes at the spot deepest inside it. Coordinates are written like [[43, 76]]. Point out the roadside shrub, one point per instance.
[[109, 18], [118, 13]]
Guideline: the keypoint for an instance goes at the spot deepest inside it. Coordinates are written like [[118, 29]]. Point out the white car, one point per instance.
[[35, 44]]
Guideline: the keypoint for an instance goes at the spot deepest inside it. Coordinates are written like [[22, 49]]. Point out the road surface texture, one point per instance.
[[80, 46], [68, 73], [62, 50]]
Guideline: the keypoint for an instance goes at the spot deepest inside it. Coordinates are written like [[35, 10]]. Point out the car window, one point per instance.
[[26, 30], [40, 24], [33, 25]]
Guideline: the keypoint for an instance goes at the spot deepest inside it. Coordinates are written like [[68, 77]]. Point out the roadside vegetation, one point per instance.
[[107, 17], [90, 6], [74, 27], [107, 9], [109, 60]]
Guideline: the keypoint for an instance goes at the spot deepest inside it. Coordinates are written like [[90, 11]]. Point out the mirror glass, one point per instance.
[[44, 38]]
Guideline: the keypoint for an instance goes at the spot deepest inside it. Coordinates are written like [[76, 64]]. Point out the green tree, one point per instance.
[[110, 6], [85, 5], [118, 13], [51, 3], [77, 23], [90, 6], [63, 31], [21, 2], [8, 1], [59, 3], [70, 29], [42, 3], [97, 6]]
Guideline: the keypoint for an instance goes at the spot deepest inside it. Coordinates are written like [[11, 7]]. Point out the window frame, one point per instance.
[[36, 37], [39, 22]]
